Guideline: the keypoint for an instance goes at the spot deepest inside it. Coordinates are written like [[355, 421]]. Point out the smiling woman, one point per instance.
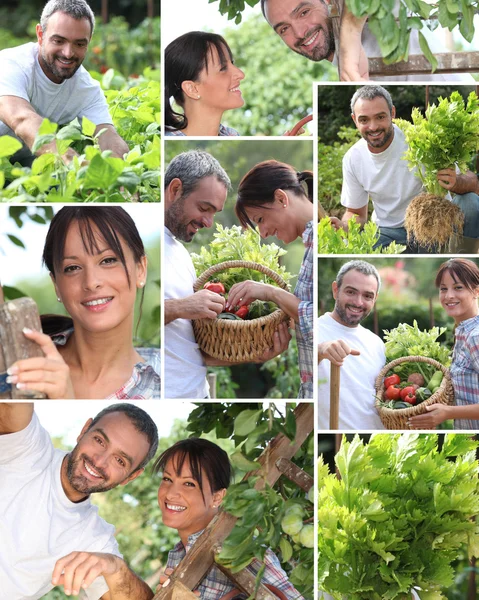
[[97, 262], [201, 77]]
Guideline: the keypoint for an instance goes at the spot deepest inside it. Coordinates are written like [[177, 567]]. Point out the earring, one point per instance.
[[141, 284], [198, 97], [284, 205], [59, 299]]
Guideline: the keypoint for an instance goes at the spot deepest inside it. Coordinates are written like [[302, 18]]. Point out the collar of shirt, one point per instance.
[[468, 324], [307, 232]]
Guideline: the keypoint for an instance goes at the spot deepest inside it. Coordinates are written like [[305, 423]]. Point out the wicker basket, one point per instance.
[[397, 418], [235, 341]]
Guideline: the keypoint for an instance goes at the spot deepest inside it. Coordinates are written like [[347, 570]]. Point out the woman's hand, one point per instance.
[[48, 374], [246, 291], [436, 414], [353, 62]]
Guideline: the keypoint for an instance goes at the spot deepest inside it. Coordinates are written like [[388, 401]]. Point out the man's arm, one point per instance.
[[201, 305], [353, 62], [360, 214], [15, 416], [24, 121], [110, 140], [458, 183], [78, 570]]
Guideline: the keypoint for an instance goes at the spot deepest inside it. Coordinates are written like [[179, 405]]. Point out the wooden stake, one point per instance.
[[334, 398]]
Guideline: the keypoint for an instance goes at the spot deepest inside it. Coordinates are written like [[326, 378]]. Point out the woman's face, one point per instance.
[[181, 503], [275, 218], [94, 287], [218, 86], [457, 299]]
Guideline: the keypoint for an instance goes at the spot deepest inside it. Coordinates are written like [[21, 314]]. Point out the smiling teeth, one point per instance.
[[175, 507], [311, 40], [235, 89], [97, 302], [91, 471]]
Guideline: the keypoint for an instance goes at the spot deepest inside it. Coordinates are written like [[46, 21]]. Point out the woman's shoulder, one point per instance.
[[225, 131], [173, 132]]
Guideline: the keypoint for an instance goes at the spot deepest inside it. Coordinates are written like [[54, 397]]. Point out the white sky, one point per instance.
[[17, 263]]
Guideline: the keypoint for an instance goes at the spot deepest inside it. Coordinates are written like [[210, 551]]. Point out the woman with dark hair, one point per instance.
[[201, 77], [458, 283], [273, 198], [97, 262], [195, 476]]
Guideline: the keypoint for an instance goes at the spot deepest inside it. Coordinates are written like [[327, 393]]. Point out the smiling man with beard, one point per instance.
[[51, 534], [344, 342], [196, 186], [46, 80]]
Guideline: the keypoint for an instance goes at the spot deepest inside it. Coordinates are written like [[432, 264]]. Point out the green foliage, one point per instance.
[[393, 35], [330, 169], [277, 84], [260, 512], [357, 240], [398, 517], [234, 243], [447, 135], [284, 371]]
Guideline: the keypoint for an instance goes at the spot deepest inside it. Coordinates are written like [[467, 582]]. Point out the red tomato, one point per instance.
[[410, 398], [407, 390], [393, 393], [215, 286], [392, 380], [242, 312]]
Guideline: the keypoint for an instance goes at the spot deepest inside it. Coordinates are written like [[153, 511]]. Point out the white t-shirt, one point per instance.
[[38, 523], [80, 96], [185, 370], [384, 177], [357, 376]]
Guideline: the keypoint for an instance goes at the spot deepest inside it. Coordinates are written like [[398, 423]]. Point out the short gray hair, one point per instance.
[[362, 267], [369, 92], [193, 166], [78, 9]]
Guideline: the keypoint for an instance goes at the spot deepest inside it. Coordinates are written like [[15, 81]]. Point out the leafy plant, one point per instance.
[[398, 517], [357, 240]]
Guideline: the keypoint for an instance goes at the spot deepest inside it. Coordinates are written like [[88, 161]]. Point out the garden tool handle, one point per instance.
[[2, 297], [334, 397], [299, 124]]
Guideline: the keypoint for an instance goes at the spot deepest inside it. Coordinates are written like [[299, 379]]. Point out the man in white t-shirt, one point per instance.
[[50, 533], [196, 187], [46, 80], [344, 342], [374, 169], [306, 27]]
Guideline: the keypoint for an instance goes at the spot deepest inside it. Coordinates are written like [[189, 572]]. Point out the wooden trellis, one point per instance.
[[275, 461], [417, 64]]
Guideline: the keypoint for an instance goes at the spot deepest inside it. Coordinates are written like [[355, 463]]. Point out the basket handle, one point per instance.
[[231, 264], [334, 397]]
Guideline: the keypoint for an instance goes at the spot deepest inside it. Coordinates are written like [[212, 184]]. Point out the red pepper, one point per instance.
[[408, 390], [242, 312], [393, 393], [215, 286], [391, 380]]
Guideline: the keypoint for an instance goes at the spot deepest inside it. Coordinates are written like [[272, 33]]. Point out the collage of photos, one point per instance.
[[239, 299]]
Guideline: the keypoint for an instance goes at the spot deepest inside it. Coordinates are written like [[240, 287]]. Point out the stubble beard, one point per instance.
[[345, 319], [54, 70], [175, 221], [79, 482], [380, 143], [322, 51]]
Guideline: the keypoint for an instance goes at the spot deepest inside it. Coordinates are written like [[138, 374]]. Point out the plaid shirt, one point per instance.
[[465, 369], [216, 584], [144, 383], [304, 327], [222, 132]]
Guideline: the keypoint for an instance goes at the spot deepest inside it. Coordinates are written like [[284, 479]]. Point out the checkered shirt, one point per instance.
[[216, 584], [144, 383], [304, 327], [465, 369], [223, 131]]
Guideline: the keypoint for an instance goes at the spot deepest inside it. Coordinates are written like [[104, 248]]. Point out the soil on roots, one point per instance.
[[432, 220]]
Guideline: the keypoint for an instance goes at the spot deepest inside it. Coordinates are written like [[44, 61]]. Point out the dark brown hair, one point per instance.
[[460, 269], [258, 186], [204, 457]]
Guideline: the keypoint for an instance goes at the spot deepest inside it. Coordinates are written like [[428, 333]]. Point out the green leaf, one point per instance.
[[286, 549], [240, 461], [427, 52], [246, 422], [8, 146], [102, 173], [41, 140], [12, 293], [88, 128], [15, 240], [47, 128]]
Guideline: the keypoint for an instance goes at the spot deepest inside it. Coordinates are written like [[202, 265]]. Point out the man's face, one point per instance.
[[107, 455], [375, 123], [304, 26], [355, 298], [184, 216], [63, 45]]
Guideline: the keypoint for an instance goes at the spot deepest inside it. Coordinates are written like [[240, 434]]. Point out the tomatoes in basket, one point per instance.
[[393, 393], [391, 380], [215, 286]]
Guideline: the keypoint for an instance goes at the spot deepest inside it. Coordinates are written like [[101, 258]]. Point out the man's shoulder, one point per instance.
[[357, 149], [24, 56]]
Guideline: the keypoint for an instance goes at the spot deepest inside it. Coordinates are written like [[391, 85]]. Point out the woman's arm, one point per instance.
[[438, 413], [248, 291]]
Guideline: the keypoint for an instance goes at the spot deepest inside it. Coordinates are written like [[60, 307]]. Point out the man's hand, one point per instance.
[[338, 224], [201, 305], [458, 183], [110, 140], [335, 351], [78, 570], [353, 62]]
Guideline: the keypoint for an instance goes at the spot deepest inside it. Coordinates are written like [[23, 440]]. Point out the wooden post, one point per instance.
[[211, 378], [334, 398], [295, 474], [447, 62]]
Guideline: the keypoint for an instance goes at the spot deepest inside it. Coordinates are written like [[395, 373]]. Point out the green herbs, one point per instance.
[[234, 243], [356, 240], [447, 135], [398, 517]]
